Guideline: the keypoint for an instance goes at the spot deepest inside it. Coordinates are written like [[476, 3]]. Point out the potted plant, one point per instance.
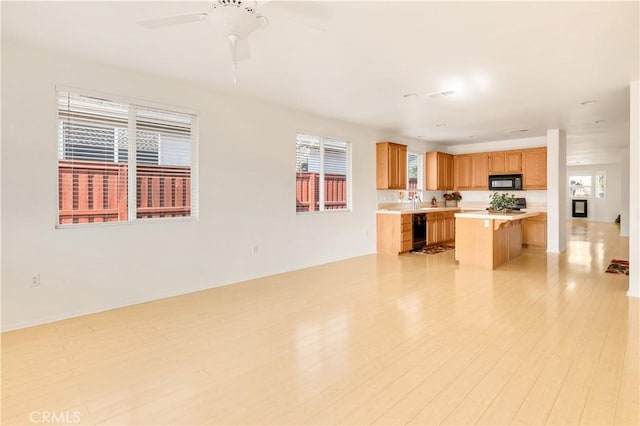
[[451, 200], [502, 202]]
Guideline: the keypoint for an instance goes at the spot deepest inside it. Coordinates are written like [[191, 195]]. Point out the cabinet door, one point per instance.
[[393, 166], [442, 171], [513, 162], [479, 170], [497, 163], [534, 233], [534, 169], [449, 183], [440, 230], [402, 167], [462, 172], [432, 231], [449, 229]]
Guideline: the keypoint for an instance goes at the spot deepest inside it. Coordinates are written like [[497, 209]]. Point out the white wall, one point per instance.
[[600, 209], [634, 190], [247, 197], [502, 145]]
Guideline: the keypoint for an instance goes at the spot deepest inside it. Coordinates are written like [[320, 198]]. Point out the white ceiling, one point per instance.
[[513, 65]]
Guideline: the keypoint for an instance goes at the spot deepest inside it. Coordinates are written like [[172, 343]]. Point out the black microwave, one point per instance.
[[505, 183]]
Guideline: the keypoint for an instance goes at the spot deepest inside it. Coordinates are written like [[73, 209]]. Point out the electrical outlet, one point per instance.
[[35, 280]]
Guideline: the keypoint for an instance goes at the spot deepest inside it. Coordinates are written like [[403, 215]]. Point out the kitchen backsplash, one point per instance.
[[393, 196]]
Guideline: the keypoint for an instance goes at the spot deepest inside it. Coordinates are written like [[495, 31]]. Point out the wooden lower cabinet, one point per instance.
[[394, 233], [441, 227], [534, 231]]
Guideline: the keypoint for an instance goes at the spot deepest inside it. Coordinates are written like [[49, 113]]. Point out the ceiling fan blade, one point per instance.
[[243, 52], [173, 20]]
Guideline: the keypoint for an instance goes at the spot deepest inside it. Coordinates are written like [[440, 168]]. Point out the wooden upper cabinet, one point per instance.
[[513, 162], [463, 172], [391, 166], [479, 171], [505, 162], [439, 171], [496, 163], [534, 168]]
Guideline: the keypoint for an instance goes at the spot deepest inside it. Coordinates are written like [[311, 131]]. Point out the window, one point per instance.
[[322, 174], [600, 185], [414, 174], [104, 178], [580, 186]]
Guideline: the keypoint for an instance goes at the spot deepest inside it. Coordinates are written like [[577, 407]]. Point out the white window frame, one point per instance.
[[131, 172], [321, 200]]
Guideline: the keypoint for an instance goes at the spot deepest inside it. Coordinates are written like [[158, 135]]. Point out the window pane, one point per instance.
[[414, 172], [580, 186], [307, 173], [163, 164], [92, 185], [600, 186], [335, 174]]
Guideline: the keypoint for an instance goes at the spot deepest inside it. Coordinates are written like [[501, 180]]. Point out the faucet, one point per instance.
[[415, 201]]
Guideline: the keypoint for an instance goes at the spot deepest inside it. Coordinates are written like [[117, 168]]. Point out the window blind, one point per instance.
[[163, 164], [96, 163], [92, 184], [322, 173]]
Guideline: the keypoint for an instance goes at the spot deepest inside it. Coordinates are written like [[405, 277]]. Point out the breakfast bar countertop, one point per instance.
[[517, 215], [409, 210]]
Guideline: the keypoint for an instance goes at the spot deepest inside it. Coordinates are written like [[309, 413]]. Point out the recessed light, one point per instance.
[[441, 125], [598, 121], [420, 137], [588, 102], [448, 92], [409, 95], [518, 131]]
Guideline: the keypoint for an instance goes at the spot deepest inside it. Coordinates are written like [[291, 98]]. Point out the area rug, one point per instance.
[[618, 267], [436, 249]]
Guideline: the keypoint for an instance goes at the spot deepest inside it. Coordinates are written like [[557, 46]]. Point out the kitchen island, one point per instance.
[[487, 240]]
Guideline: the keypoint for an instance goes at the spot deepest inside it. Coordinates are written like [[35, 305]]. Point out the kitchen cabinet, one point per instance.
[[394, 233], [391, 166], [534, 231], [505, 162], [471, 172], [462, 172], [439, 171], [440, 227], [479, 172], [534, 168]]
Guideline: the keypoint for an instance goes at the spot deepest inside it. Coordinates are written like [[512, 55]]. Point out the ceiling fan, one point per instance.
[[236, 19]]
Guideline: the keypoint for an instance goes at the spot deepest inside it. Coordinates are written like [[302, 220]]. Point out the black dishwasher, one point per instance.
[[419, 232]]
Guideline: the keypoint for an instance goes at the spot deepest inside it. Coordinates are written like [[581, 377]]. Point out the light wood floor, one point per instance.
[[412, 339]]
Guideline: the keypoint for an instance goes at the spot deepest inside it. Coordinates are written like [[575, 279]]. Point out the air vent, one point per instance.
[[441, 94], [518, 131]]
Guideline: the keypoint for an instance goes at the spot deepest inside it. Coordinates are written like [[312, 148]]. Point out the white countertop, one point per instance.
[[499, 216], [419, 210]]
